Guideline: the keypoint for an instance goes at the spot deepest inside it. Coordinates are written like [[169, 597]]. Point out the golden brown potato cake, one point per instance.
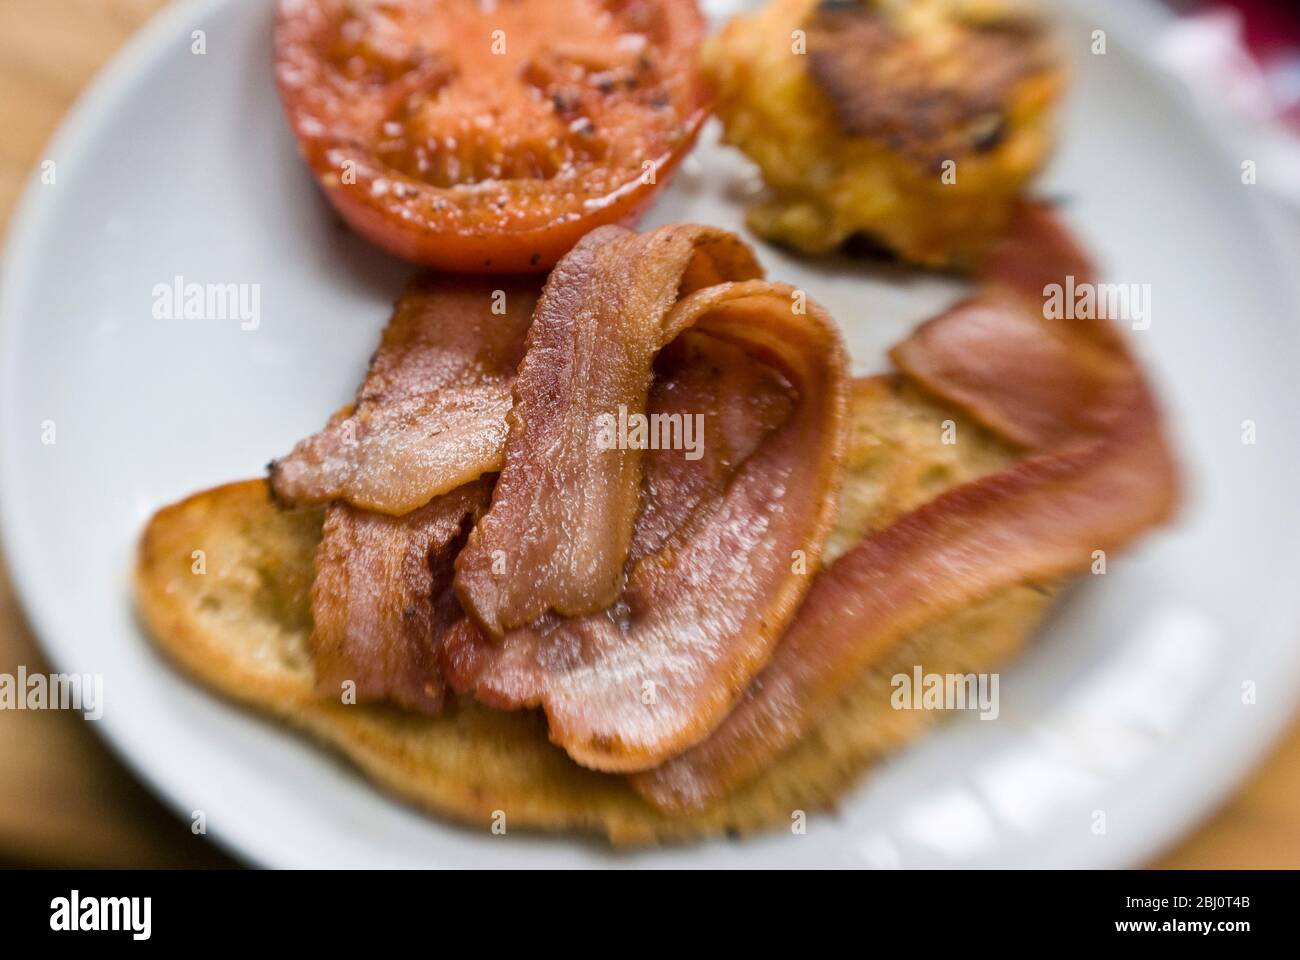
[[914, 123]]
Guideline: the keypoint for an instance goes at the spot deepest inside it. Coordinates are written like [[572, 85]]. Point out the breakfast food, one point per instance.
[[243, 630], [914, 124], [484, 137], [607, 615], [706, 642], [628, 550]]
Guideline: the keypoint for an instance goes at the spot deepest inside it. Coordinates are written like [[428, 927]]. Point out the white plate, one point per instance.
[[181, 165]]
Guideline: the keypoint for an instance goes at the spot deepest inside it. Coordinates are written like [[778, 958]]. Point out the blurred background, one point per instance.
[[65, 800]]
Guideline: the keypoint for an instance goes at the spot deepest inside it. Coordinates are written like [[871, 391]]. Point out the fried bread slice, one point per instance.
[[241, 627]]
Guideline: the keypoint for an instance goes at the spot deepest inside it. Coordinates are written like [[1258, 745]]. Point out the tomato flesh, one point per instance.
[[489, 135]]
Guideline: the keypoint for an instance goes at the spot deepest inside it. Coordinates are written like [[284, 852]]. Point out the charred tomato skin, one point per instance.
[[466, 216]]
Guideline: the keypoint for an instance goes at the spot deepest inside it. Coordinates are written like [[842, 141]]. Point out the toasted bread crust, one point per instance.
[[241, 627]]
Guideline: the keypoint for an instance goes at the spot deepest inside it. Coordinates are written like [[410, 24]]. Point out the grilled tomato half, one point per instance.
[[489, 135]]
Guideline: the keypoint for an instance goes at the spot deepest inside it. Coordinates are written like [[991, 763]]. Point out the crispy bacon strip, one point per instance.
[[431, 412], [428, 422], [1098, 473], [702, 607], [557, 534], [381, 599]]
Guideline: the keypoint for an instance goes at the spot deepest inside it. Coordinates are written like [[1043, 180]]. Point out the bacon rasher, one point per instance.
[[657, 608], [1096, 473], [381, 599], [653, 651], [431, 412], [557, 535], [403, 472]]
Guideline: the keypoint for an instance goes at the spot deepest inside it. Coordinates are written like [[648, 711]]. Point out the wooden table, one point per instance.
[[64, 799]]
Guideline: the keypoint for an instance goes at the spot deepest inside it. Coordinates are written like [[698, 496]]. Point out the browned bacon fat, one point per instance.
[[1097, 473], [431, 413], [669, 627]]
